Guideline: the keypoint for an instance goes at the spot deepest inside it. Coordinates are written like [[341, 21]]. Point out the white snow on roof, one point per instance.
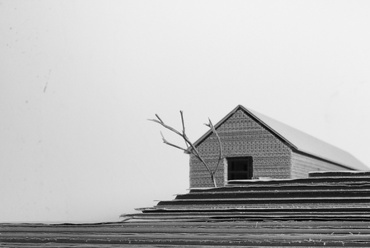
[[298, 140], [308, 144]]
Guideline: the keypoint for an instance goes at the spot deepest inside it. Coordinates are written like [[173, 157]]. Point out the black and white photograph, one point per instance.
[[172, 123]]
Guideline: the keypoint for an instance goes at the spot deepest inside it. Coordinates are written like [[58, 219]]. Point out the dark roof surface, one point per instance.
[[297, 140]]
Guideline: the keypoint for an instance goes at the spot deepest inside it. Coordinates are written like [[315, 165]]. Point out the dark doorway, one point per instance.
[[239, 168]]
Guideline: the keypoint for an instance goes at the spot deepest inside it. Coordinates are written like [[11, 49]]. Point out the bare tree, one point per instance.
[[190, 147]]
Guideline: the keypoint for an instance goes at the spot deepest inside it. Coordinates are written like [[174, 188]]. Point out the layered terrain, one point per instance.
[[330, 209]]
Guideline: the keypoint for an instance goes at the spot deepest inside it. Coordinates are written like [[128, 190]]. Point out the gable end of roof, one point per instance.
[[298, 141], [255, 118]]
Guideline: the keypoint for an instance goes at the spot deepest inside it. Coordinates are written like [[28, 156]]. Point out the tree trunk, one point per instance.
[[214, 180]]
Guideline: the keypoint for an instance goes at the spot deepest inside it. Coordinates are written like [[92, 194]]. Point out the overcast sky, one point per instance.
[[79, 79]]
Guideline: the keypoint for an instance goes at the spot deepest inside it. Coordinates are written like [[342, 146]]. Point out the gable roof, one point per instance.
[[297, 140]]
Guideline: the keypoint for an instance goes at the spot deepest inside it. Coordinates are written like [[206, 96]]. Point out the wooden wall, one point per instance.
[[302, 165], [242, 136]]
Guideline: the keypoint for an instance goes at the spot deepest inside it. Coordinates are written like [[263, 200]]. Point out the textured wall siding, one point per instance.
[[302, 165], [242, 136]]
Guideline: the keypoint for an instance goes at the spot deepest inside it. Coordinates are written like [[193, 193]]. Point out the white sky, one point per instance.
[[78, 79]]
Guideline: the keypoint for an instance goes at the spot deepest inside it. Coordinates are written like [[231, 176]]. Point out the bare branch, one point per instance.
[[171, 144], [166, 126], [164, 140], [160, 121], [159, 118], [195, 152], [182, 121], [220, 155], [154, 120], [189, 144], [176, 146], [183, 127]]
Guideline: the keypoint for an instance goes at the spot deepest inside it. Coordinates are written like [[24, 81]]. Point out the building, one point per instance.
[[256, 146]]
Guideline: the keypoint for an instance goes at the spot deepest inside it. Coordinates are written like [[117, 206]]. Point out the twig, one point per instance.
[[189, 144], [183, 126], [170, 144], [220, 155]]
